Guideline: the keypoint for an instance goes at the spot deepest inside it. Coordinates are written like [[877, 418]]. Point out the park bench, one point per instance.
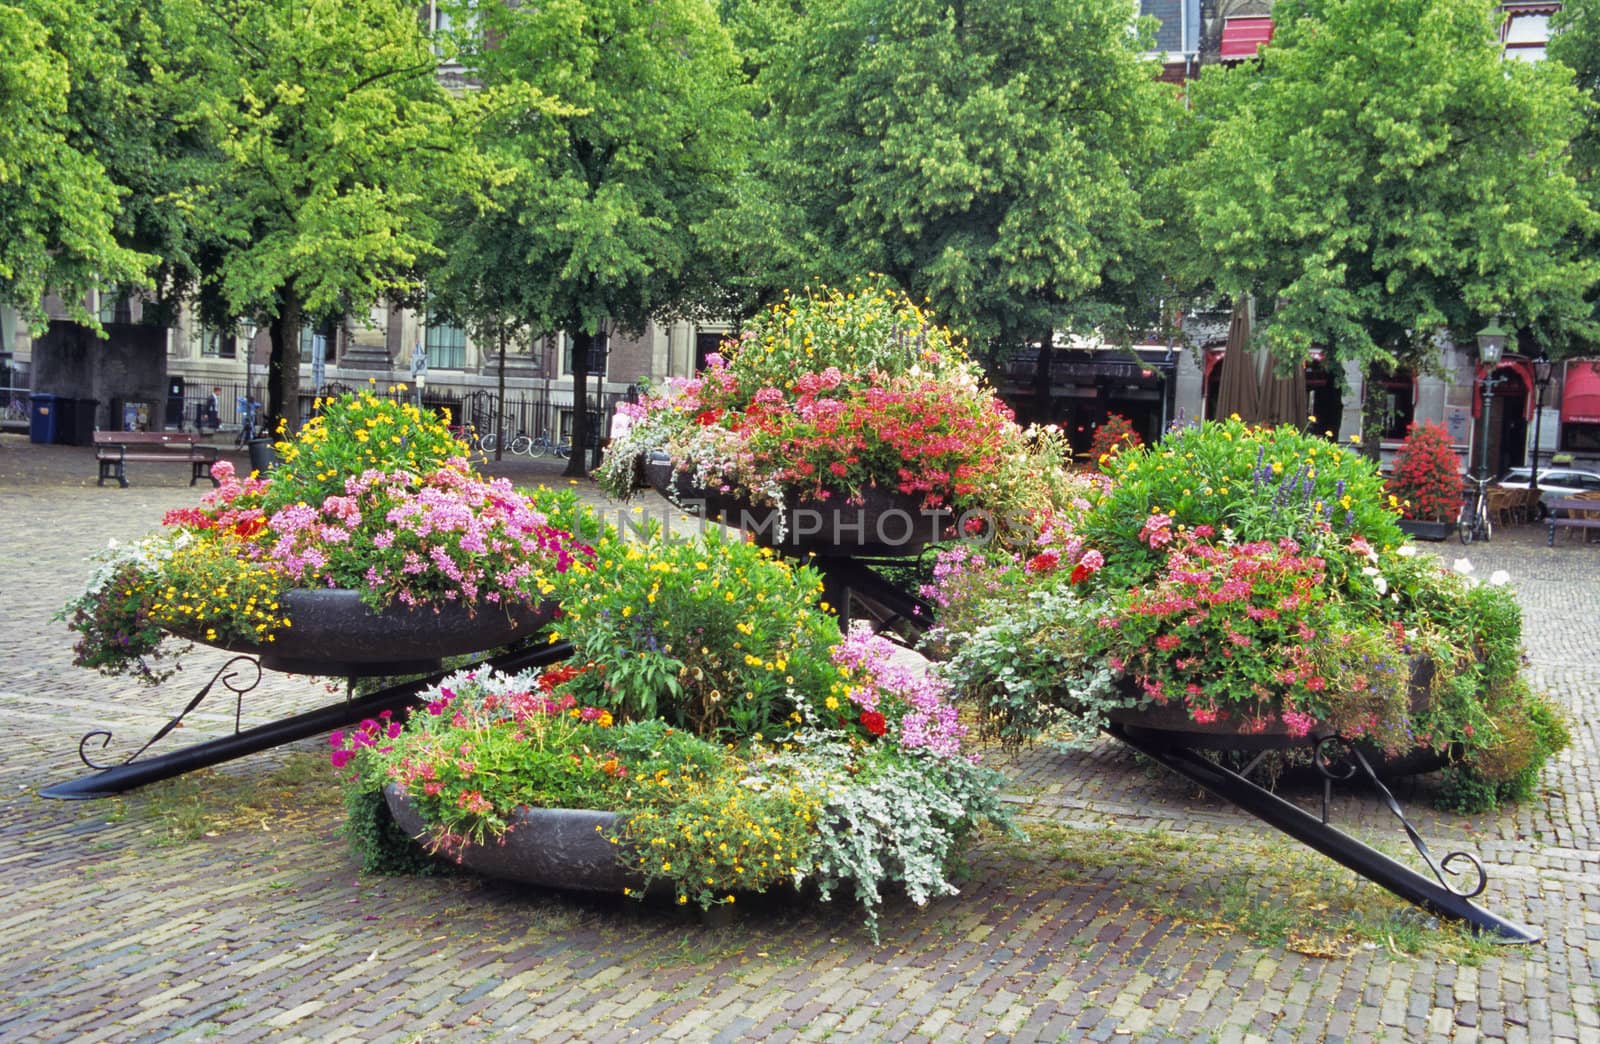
[[1572, 514], [113, 450]]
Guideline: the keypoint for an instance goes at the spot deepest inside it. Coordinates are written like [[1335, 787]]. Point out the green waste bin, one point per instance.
[[43, 418]]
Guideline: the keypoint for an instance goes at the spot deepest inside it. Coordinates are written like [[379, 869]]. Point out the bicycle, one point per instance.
[[249, 416], [1473, 523], [540, 446]]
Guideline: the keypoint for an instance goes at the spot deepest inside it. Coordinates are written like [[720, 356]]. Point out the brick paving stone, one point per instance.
[[264, 933]]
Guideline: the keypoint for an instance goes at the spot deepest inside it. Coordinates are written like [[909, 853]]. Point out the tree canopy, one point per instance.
[[606, 213], [1382, 173], [58, 205], [334, 137], [991, 157]]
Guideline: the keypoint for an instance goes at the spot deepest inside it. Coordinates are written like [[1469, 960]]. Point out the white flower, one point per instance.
[[1462, 566], [1407, 551], [1499, 578], [1378, 580]]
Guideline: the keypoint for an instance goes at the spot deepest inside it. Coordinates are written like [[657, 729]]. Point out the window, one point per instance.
[[597, 356], [446, 345], [1400, 405], [311, 336], [215, 344], [1526, 30], [114, 306]]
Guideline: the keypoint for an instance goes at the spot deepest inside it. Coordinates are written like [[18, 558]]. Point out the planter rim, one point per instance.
[[563, 848], [886, 523], [333, 633]]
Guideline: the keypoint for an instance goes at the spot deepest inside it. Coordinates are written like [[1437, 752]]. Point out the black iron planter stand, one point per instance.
[[1435, 895], [108, 781]]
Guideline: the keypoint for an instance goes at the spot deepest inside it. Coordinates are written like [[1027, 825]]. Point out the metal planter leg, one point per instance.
[[1435, 896], [133, 772]]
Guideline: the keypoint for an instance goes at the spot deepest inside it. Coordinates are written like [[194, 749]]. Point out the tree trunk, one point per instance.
[[500, 390], [582, 341], [283, 370], [1374, 404], [1043, 382]]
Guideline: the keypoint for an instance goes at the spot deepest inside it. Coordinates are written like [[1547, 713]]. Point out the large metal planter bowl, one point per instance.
[[1171, 725], [549, 847], [332, 632], [884, 524]]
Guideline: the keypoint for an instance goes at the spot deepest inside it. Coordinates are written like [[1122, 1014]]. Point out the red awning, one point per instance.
[[1580, 394], [1243, 37]]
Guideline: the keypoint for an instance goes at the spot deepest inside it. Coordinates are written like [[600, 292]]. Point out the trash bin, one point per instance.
[[75, 420], [174, 412], [263, 457], [42, 418]]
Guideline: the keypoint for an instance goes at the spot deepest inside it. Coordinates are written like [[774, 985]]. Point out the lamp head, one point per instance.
[[1491, 342]]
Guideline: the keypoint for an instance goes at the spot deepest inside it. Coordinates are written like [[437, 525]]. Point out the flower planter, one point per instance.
[[1171, 725], [332, 632], [1426, 530], [549, 847], [883, 523]]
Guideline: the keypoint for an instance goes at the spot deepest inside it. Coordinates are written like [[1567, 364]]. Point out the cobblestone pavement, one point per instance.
[[262, 928]]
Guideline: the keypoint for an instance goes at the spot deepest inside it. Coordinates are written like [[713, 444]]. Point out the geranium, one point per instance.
[[1426, 481], [1112, 437], [1253, 577], [840, 393]]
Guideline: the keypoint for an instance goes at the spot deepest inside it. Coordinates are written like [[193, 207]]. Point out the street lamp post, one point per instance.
[[1491, 347], [1541, 380]]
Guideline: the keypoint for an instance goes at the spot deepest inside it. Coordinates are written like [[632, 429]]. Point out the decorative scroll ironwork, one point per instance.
[[225, 674], [1438, 897], [117, 779], [1357, 762]]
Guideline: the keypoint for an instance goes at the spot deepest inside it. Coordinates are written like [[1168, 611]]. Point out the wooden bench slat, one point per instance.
[[113, 450]]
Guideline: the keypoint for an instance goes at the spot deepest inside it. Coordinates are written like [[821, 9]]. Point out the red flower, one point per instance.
[[874, 723], [1080, 572], [706, 418]]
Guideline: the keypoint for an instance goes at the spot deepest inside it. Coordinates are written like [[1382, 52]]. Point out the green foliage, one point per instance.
[[117, 632], [58, 204], [353, 434], [713, 833], [332, 135], [713, 635], [1029, 672], [1256, 483], [991, 158], [1382, 173], [379, 844]]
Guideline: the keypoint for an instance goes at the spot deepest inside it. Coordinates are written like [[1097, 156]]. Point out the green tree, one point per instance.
[[1382, 174], [992, 157], [334, 137], [58, 206], [608, 213], [1575, 42]]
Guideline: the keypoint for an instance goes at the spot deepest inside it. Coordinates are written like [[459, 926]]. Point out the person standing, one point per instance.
[[214, 410]]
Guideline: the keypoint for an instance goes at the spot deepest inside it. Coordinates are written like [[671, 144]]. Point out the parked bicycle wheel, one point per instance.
[[486, 443], [522, 444]]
